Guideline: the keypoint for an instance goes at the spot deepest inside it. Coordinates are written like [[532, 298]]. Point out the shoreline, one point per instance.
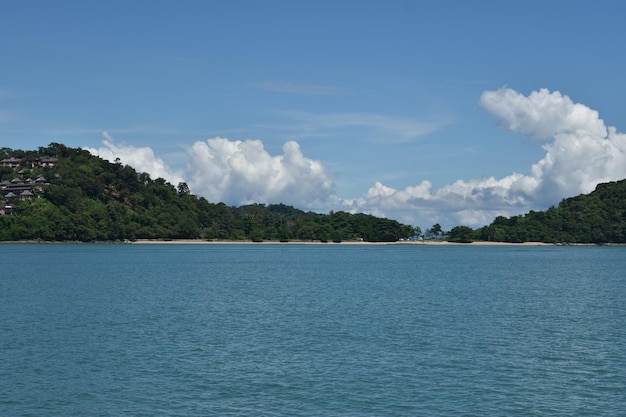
[[345, 242], [301, 242], [294, 242]]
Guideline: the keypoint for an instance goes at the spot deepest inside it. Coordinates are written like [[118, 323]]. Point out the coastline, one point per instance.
[[299, 242], [317, 242], [354, 243]]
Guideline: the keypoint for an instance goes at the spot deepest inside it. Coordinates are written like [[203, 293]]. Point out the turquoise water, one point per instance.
[[297, 330]]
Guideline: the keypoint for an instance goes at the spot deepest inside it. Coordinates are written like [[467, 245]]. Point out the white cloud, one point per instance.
[[581, 153], [142, 159], [542, 114], [241, 172], [236, 172]]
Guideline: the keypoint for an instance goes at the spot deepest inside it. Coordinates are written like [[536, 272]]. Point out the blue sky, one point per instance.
[[420, 111]]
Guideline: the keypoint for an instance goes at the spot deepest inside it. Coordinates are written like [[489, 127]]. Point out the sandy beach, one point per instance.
[[303, 242], [317, 242]]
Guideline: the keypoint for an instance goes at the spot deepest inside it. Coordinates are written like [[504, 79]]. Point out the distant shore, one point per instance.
[[304, 242], [317, 242], [352, 242]]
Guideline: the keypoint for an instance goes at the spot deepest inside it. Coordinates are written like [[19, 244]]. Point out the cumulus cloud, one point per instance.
[[543, 114], [580, 153], [142, 159], [241, 172], [236, 172]]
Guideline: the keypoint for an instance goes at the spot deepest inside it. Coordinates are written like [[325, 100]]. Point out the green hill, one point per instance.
[[598, 217], [65, 194]]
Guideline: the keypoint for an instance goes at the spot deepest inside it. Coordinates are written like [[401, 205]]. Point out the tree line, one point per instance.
[[598, 217], [90, 199]]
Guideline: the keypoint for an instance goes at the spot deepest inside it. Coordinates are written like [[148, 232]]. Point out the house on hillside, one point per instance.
[[7, 209], [41, 162], [47, 162], [24, 190], [11, 162], [26, 195], [17, 187]]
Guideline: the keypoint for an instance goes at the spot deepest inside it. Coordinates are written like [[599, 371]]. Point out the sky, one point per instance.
[[448, 112]]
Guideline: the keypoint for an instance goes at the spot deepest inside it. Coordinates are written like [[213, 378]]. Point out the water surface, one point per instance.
[[309, 330]]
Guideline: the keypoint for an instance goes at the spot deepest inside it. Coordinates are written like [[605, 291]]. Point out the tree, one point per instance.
[[183, 189], [461, 234], [88, 198], [435, 231], [6, 173], [144, 178], [5, 152]]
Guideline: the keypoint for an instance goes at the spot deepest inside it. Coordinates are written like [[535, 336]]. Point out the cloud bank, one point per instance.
[[236, 172], [580, 152], [243, 172], [142, 159]]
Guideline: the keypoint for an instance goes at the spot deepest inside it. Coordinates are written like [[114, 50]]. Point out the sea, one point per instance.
[[312, 330]]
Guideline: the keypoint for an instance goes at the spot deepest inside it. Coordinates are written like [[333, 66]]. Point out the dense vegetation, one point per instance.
[[598, 217], [86, 198], [89, 199]]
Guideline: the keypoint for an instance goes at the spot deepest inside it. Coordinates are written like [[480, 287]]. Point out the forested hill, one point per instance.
[[598, 217], [65, 194]]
